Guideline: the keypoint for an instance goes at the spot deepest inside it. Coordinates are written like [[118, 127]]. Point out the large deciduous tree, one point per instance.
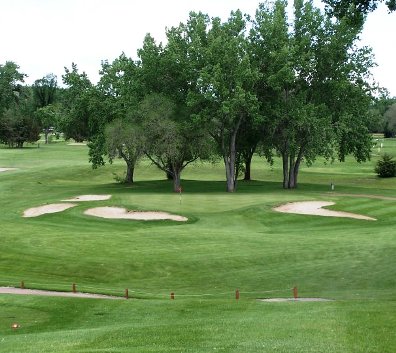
[[313, 80], [113, 115], [174, 138], [11, 81], [17, 124], [224, 97], [125, 140], [77, 101]]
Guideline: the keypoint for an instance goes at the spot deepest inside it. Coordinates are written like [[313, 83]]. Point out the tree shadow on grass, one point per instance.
[[209, 187]]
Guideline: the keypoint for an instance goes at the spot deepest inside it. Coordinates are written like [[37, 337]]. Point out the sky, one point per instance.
[[44, 36]]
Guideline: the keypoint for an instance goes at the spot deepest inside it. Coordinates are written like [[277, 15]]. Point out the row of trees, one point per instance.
[[299, 90], [25, 111]]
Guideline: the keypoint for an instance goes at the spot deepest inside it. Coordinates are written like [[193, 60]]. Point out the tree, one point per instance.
[[174, 137], [44, 91], [48, 118], [386, 167], [17, 123], [113, 105], [313, 84], [125, 140], [224, 97], [76, 101], [170, 145], [10, 85], [390, 121]]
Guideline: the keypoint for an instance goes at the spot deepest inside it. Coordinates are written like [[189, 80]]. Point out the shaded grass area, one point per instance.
[[230, 241]]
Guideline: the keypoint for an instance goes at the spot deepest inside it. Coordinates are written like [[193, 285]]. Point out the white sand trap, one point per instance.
[[89, 198], [6, 169], [51, 208], [315, 208], [282, 300], [77, 144], [122, 213], [12, 290]]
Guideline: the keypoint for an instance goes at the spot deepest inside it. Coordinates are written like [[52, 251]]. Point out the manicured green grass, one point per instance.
[[230, 241]]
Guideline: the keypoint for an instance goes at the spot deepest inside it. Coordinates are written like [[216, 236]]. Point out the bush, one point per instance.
[[386, 167]]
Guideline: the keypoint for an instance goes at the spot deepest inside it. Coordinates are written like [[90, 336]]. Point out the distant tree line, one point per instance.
[[298, 90]]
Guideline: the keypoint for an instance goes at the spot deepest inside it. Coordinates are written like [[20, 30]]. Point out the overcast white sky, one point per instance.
[[43, 36]]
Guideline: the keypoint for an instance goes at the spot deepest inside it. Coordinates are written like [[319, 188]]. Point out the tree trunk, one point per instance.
[[296, 167], [230, 166], [46, 136], [292, 181], [248, 163], [129, 173], [176, 180], [285, 161], [169, 175]]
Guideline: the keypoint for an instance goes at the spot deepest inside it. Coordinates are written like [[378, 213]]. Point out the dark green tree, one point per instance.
[[11, 81], [44, 91], [76, 102], [224, 96], [313, 85]]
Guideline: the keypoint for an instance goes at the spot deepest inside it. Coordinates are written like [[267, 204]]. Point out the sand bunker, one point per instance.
[[315, 208], [282, 300], [51, 208], [122, 213], [89, 198], [6, 169], [12, 290], [77, 144]]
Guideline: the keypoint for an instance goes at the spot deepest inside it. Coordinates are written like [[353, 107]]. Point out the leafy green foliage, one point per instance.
[[312, 86], [44, 91], [76, 99], [354, 11], [386, 167], [127, 141], [10, 85], [17, 123]]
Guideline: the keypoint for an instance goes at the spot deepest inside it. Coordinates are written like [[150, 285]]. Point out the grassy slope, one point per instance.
[[231, 241]]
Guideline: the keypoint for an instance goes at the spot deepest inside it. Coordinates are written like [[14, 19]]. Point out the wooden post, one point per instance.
[[172, 295], [74, 288], [22, 285], [295, 293], [237, 294], [126, 293]]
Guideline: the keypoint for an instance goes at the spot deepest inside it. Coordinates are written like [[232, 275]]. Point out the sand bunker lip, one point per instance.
[[283, 300], [89, 198], [315, 208], [122, 213], [7, 169], [50, 208], [13, 290]]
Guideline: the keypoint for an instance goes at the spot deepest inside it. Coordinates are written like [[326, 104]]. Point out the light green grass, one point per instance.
[[230, 241]]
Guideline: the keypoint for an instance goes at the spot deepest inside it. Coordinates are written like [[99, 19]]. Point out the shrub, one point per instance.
[[386, 167]]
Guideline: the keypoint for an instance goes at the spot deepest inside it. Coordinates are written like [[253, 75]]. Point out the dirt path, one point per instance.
[[12, 290]]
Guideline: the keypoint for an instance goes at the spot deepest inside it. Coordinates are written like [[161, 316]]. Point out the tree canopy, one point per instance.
[[299, 89]]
